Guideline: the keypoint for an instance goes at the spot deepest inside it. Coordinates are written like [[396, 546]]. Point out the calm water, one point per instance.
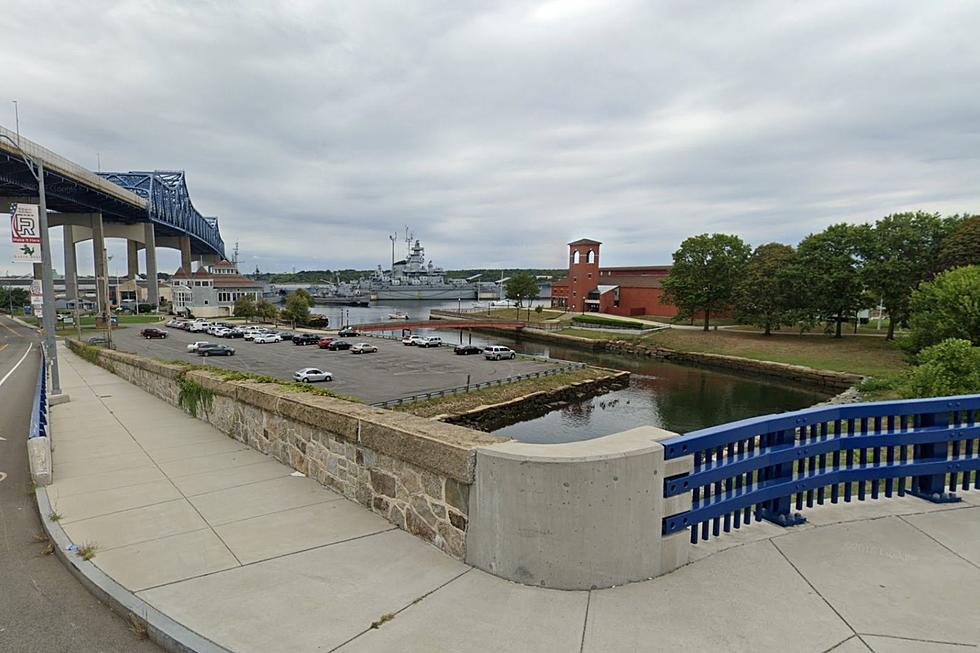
[[674, 397]]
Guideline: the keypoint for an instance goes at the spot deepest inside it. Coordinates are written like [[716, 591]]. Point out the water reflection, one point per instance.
[[678, 398]]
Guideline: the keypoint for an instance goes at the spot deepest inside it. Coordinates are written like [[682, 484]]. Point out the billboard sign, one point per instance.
[[25, 233]]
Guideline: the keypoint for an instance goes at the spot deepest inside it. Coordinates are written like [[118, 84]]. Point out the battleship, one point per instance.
[[412, 279]]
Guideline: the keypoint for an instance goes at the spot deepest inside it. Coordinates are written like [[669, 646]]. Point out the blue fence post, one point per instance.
[[932, 487], [778, 511]]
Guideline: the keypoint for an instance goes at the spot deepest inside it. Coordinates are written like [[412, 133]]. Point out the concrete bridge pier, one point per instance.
[[71, 265], [152, 283], [185, 254]]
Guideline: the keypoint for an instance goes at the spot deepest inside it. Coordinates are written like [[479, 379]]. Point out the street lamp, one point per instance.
[[36, 169]]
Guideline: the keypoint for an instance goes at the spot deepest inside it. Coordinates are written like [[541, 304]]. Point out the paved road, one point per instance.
[[42, 607], [394, 371]]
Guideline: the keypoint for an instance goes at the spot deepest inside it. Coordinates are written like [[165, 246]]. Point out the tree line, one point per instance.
[[827, 278]]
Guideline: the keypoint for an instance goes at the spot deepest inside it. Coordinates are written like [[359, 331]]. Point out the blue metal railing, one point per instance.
[[772, 466], [39, 409]]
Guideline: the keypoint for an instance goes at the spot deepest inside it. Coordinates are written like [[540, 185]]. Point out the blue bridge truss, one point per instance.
[[169, 206]]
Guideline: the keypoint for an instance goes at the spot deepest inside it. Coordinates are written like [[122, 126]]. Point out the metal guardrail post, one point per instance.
[[778, 510], [932, 487]]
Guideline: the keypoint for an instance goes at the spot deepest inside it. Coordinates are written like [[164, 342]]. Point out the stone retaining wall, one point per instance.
[[798, 373], [412, 471], [495, 416]]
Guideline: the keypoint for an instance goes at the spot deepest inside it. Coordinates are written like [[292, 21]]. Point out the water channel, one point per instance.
[[675, 397]]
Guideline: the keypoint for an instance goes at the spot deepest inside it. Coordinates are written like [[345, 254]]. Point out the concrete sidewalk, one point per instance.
[[228, 543]]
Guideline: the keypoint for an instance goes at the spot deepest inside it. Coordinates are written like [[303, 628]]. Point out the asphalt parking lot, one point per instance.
[[394, 371]]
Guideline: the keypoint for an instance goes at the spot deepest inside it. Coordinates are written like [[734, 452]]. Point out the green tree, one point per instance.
[[522, 286], [297, 309], [705, 273], [14, 297], [898, 253], [764, 292], [962, 246], [266, 310], [951, 367], [946, 307], [827, 273], [245, 307]]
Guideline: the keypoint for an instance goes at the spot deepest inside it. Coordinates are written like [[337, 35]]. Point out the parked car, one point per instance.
[[195, 346], [285, 335], [363, 348], [251, 332], [306, 339], [496, 352], [411, 340], [216, 350], [172, 323], [100, 341], [234, 333], [429, 341], [153, 332], [197, 327], [312, 374], [219, 332], [337, 345], [347, 332], [262, 338], [324, 342], [466, 350]]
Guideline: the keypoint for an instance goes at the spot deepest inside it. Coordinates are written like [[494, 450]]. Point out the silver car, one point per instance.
[[363, 348], [312, 375]]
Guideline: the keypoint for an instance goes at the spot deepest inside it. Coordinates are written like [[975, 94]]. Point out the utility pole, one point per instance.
[[36, 169]]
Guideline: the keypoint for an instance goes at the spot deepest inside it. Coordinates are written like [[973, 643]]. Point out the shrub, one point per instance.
[[950, 368], [946, 307]]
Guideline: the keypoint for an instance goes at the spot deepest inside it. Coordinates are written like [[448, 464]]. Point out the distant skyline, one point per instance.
[[499, 131]]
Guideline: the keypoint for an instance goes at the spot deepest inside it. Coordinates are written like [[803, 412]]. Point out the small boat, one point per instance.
[[397, 315]]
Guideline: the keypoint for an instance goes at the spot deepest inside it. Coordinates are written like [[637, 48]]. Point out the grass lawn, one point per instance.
[[460, 403], [89, 320], [860, 355]]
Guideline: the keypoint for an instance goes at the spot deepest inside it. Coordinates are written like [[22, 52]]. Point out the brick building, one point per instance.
[[618, 291]]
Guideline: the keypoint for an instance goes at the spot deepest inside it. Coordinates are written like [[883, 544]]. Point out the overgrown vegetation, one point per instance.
[[946, 307], [89, 353], [462, 402], [950, 368], [235, 375], [193, 395], [86, 551]]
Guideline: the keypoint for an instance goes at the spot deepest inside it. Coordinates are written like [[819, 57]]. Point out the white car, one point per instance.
[[197, 327], [251, 332], [363, 348], [219, 332], [194, 346], [311, 375], [496, 352], [431, 341], [261, 338], [412, 340]]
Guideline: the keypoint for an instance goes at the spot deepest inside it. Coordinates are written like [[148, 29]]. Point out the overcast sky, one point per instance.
[[499, 131]]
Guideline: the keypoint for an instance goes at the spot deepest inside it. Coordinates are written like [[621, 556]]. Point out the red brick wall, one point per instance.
[[582, 276], [640, 301]]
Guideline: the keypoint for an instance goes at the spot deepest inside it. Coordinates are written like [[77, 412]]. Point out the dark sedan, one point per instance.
[[215, 350], [306, 339], [153, 332], [466, 350], [234, 333], [348, 332], [336, 345]]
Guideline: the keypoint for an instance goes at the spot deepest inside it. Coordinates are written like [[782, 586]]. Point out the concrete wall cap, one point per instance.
[[634, 442]]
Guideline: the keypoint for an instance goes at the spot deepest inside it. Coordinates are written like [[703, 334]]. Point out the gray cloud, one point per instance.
[[499, 131]]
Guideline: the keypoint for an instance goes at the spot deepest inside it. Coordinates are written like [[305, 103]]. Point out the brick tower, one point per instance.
[[583, 271]]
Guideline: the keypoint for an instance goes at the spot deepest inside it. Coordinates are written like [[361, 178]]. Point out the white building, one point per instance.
[[211, 292]]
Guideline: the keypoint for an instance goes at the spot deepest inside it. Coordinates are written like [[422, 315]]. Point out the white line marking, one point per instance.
[[14, 369], [3, 439], [3, 475]]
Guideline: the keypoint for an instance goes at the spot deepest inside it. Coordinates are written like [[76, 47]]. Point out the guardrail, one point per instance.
[[422, 396], [769, 467], [39, 409]]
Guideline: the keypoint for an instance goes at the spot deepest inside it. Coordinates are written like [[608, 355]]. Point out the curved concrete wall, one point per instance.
[[579, 515]]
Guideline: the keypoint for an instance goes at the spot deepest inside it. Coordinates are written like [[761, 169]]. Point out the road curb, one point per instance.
[[161, 629]]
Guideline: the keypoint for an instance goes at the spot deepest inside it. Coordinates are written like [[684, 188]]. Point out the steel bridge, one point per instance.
[[149, 209]]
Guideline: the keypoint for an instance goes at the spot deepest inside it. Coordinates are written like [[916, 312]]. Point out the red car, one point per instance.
[[153, 332], [324, 343]]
